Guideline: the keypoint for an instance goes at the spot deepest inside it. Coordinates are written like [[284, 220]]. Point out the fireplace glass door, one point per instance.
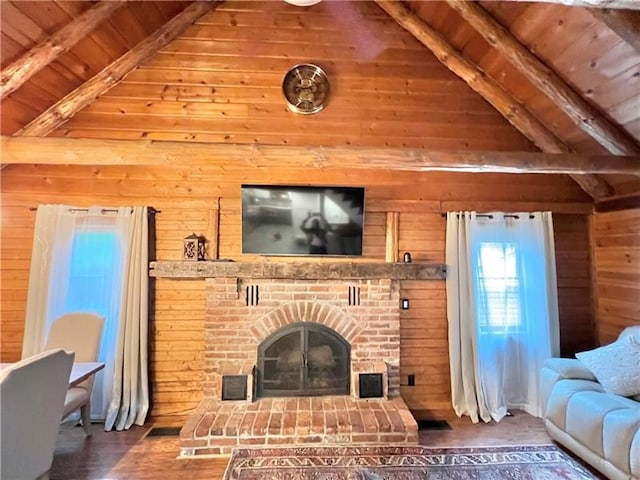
[[303, 359]]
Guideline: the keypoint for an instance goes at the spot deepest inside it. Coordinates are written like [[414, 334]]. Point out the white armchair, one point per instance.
[[81, 333], [32, 393]]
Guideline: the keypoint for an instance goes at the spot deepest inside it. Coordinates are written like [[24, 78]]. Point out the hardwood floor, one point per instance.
[[133, 455]]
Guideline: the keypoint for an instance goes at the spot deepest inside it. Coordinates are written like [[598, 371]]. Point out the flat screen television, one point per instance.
[[302, 220]]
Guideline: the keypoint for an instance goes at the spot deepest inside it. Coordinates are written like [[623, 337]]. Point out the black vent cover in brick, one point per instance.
[[370, 385], [234, 387]]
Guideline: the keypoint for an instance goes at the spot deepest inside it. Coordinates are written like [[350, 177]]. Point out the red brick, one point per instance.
[[261, 423], [316, 404], [397, 425], [384, 425], [330, 422], [275, 424], [204, 426], [217, 428], [209, 451], [246, 426], [365, 438], [289, 423], [252, 441], [266, 404], [304, 403], [223, 441], [232, 425], [317, 421], [192, 443], [342, 417], [286, 440], [356, 421], [369, 421], [303, 422]]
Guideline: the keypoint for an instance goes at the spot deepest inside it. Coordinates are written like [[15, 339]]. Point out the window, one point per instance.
[[498, 287], [93, 268], [89, 279]]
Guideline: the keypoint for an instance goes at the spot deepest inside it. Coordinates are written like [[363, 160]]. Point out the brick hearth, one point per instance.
[[218, 427], [244, 312]]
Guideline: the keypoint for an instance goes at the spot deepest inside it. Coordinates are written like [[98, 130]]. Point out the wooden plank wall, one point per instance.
[[188, 200], [423, 328], [221, 81], [616, 243], [573, 261]]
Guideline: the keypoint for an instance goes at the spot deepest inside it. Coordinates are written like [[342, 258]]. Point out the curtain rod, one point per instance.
[[104, 210], [488, 215]]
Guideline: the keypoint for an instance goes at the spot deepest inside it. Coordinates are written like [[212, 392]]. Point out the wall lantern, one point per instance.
[[193, 248], [404, 304]]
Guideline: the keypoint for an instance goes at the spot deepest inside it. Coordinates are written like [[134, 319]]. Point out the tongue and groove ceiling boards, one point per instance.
[[408, 78]]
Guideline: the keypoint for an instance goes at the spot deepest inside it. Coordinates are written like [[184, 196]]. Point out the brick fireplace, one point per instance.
[[241, 314], [340, 323]]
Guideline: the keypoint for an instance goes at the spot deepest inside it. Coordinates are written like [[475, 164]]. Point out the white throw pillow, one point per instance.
[[616, 366]]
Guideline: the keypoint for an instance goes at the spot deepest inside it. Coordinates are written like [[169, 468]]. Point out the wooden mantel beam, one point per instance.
[[79, 151], [82, 96], [585, 116], [21, 70], [624, 23], [479, 81]]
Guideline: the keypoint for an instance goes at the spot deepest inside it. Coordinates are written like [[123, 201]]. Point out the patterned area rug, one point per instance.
[[540, 462]]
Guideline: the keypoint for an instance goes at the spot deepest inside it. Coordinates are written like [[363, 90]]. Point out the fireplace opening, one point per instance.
[[303, 359]]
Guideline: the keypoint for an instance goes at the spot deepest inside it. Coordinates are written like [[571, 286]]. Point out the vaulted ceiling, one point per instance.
[[433, 75]]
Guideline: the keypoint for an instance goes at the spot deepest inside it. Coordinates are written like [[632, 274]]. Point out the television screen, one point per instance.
[[301, 220]]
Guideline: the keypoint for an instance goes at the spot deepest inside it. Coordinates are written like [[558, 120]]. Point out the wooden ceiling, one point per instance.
[[219, 79]]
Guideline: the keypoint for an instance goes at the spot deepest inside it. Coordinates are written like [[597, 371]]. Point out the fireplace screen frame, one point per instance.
[[304, 329]]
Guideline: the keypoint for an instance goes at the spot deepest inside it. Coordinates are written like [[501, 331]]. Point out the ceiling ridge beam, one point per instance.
[[586, 117], [82, 96], [17, 73], [624, 23], [83, 151], [515, 113], [617, 4]]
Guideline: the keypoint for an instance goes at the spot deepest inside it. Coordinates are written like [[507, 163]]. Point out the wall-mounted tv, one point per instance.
[[302, 220]]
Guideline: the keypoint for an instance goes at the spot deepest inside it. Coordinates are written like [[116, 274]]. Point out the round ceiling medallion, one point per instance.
[[302, 3], [305, 88]]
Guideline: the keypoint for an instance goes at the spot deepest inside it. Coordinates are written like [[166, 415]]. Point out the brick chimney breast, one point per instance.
[[235, 327]]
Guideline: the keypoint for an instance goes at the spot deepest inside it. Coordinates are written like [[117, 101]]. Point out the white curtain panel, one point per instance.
[[47, 219], [461, 317], [119, 294], [56, 287], [130, 393], [502, 310]]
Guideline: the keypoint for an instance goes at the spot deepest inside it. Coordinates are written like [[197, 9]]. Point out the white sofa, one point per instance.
[[600, 427]]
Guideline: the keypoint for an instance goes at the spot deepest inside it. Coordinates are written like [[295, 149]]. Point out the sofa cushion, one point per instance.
[[561, 393], [616, 365], [586, 412], [620, 428], [634, 455]]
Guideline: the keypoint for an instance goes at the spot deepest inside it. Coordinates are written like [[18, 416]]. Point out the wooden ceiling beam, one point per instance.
[[625, 24], [80, 151], [479, 81], [21, 70], [82, 96], [587, 117], [617, 4]]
